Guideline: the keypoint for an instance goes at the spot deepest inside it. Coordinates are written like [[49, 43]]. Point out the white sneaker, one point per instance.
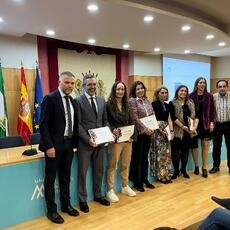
[[111, 196], [128, 191]]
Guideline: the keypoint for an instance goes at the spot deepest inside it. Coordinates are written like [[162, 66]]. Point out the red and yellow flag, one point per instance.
[[25, 126]]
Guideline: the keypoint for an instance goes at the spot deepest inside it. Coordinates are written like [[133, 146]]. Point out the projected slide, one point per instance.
[[177, 72]]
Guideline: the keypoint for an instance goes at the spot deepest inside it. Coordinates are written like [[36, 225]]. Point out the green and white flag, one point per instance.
[[3, 113]]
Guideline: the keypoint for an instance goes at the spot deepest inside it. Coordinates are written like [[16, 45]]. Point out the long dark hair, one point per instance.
[[177, 90], [133, 89], [196, 83], [113, 99]]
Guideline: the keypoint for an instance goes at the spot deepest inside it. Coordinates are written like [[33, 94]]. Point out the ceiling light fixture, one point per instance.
[[92, 7], [157, 49], [185, 28], [91, 41], [50, 32], [126, 46], [187, 51], [148, 18], [1, 19], [210, 36], [221, 44]]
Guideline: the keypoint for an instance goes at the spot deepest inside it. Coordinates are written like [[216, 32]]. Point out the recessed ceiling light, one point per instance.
[[92, 7], [210, 36], [222, 44], [186, 28], [126, 46], [187, 51], [91, 41], [1, 19], [50, 32], [157, 49], [148, 18]]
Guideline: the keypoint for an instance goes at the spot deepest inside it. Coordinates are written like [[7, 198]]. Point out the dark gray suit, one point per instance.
[[88, 120]]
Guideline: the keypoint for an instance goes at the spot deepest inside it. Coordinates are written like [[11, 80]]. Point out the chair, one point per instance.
[[34, 138], [11, 141]]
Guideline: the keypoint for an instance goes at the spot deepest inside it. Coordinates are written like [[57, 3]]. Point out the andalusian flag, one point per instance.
[[37, 101], [3, 113], [25, 126]]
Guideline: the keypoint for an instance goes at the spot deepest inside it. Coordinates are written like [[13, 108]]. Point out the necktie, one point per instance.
[[69, 119], [93, 106]]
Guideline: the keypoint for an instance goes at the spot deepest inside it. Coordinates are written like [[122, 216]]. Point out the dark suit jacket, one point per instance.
[[87, 119], [52, 122]]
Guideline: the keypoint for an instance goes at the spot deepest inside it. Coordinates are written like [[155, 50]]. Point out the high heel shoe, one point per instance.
[[196, 170], [185, 174], [204, 173], [175, 174]]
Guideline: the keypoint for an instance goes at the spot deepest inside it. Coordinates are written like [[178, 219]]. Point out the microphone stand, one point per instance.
[[30, 152]]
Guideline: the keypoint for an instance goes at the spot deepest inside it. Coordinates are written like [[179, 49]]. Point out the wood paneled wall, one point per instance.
[[151, 83], [12, 80]]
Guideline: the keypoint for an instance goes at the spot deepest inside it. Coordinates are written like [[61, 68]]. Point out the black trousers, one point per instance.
[[220, 130], [179, 150], [61, 164], [139, 161]]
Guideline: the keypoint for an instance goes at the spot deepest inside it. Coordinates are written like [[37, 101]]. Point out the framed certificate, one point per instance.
[[150, 122], [101, 135], [125, 133]]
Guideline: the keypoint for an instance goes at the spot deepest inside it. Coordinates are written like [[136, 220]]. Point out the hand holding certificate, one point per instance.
[[150, 122], [125, 133], [101, 135]]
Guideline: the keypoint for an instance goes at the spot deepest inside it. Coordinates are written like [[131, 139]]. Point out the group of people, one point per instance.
[[64, 125]]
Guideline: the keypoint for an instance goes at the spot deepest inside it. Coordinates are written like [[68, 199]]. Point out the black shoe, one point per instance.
[[175, 174], [70, 210], [214, 169], [196, 170], [55, 217], [185, 174], [163, 181], [204, 173], [102, 201], [222, 202], [84, 206], [139, 186], [148, 184]]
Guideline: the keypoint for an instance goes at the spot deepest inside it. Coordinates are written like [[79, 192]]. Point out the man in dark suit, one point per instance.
[[58, 129], [91, 114]]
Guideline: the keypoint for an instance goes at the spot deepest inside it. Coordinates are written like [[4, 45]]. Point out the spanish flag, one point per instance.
[[25, 125]]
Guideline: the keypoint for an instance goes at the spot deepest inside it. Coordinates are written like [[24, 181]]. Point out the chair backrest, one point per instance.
[[11, 141], [34, 138]]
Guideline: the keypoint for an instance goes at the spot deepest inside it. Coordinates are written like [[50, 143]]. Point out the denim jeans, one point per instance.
[[218, 219]]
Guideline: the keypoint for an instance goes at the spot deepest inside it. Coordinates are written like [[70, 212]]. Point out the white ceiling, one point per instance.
[[121, 21]]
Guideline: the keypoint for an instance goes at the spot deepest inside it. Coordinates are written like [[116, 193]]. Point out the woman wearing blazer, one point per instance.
[[118, 115], [205, 109], [141, 107]]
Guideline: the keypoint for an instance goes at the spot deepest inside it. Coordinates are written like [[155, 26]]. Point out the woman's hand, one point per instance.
[[211, 127]]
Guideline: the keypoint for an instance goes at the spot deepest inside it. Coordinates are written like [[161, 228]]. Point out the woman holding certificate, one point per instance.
[[160, 154], [141, 108], [122, 126], [205, 107], [182, 110]]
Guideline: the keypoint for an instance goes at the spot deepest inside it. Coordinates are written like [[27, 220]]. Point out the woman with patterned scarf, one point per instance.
[[183, 114]]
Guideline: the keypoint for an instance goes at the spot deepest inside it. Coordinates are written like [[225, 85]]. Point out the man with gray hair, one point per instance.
[[222, 125], [58, 130], [91, 114]]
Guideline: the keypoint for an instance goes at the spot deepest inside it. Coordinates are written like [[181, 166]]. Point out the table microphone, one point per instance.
[[30, 152]]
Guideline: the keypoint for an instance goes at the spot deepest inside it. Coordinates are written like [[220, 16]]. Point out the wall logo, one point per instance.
[[38, 190]]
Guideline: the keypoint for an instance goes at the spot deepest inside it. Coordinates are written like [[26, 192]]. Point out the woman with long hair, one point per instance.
[[182, 111], [205, 109], [160, 151], [141, 107], [118, 114]]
